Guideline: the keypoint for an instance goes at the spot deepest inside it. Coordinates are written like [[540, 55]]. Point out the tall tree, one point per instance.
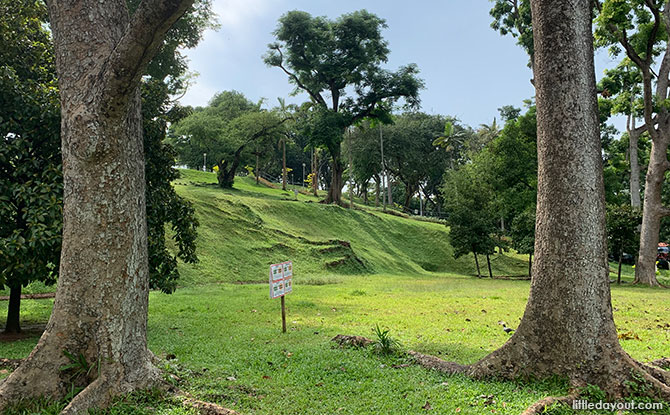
[[327, 59], [100, 311], [638, 28], [468, 202], [567, 328]]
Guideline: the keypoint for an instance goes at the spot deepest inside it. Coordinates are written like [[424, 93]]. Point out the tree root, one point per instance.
[[355, 341], [663, 363], [435, 363], [540, 406], [10, 363], [96, 395], [205, 408]]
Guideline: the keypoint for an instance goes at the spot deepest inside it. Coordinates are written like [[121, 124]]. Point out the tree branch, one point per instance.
[[143, 37], [314, 95]]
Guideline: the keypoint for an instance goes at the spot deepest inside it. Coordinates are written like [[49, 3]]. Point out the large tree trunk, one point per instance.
[[13, 325], [100, 310], [567, 328], [652, 213]]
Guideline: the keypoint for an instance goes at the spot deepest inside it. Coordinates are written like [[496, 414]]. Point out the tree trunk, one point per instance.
[[567, 328], [100, 310], [409, 192], [488, 263], [479, 274], [388, 189], [377, 190], [335, 191], [258, 173], [618, 275], [283, 160], [13, 325], [634, 181], [315, 172], [652, 213]]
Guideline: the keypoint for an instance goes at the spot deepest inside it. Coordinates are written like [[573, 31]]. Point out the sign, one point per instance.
[[281, 283], [281, 279]]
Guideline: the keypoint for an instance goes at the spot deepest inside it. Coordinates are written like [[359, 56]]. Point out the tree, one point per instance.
[[225, 131], [322, 57], [30, 172], [410, 151], [522, 231], [637, 28], [468, 203], [100, 311], [567, 328], [622, 224]]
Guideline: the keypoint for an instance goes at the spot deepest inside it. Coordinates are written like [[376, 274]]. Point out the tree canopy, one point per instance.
[[338, 63]]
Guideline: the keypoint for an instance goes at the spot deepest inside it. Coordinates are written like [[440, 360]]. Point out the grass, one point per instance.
[[243, 362]]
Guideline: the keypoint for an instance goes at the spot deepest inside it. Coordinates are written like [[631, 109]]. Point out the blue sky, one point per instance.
[[468, 68]]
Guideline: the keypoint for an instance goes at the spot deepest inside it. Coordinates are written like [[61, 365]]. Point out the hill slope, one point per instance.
[[244, 230]]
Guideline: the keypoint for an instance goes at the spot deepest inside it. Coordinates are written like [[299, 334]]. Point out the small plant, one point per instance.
[[385, 344], [79, 366]]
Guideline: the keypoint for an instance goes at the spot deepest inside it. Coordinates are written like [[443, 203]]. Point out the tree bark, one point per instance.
[[567, 328], [13, 325], [652, 213], [479, 274], [100, 310], [377, 190]]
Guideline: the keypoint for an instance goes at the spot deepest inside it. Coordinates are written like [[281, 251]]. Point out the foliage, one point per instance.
[[522, 231], [339, 58], [623, 222], [30, 172], [513, 17], [225, 131], [469, 206]]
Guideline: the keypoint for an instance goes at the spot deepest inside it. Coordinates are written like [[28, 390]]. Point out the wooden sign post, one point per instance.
[[281, 283]]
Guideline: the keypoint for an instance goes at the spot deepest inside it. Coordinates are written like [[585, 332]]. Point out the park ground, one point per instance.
[[220, 335]]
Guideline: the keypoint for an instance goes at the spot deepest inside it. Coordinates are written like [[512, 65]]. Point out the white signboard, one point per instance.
[[281, 279]]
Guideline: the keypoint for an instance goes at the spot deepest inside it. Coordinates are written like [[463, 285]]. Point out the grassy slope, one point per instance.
[[245, 229]]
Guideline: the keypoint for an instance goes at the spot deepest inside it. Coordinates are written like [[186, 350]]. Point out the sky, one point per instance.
[[469, 69]]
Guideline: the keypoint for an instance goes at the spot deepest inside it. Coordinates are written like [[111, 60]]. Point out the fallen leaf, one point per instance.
[[231, 378], [266, 377], [427, 406]]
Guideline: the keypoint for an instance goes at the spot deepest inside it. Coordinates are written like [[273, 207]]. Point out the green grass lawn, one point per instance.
[[397, 273], [225, 331]]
